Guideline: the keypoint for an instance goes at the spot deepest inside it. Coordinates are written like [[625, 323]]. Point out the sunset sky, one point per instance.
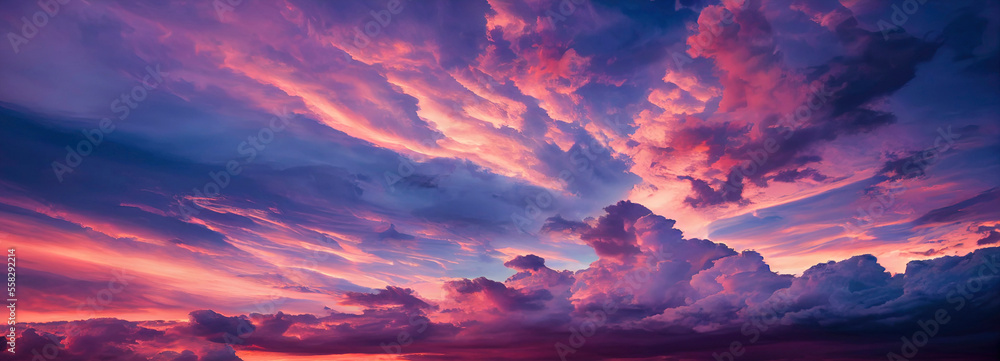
[[226, 180]]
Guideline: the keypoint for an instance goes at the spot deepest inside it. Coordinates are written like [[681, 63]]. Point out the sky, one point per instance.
[[501, 180]]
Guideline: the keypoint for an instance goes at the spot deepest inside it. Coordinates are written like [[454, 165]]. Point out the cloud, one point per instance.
[[990, 238], [970, 209], [524, 263], [390, 296], [496, 294], [610, 235]]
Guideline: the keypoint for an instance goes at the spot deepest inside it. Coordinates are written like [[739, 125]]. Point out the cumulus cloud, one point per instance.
[[524, 263]]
